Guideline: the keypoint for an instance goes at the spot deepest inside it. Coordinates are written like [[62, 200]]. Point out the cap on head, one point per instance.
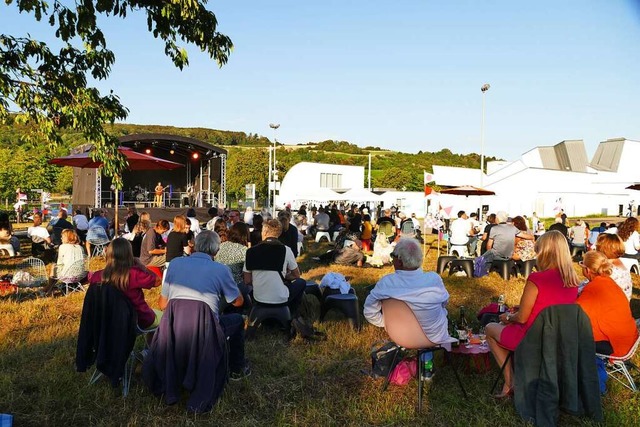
[[502, 216]]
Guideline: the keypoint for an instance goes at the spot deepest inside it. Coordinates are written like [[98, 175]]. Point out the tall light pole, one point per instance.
[[485, 87], [273, 170]]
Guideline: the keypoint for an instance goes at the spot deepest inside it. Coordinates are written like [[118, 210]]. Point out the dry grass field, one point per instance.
[[293, 383]]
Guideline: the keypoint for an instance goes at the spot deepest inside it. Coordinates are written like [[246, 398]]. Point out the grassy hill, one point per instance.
[[389, 168]]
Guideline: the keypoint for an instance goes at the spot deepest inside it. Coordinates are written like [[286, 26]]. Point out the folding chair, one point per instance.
[[38, 278], [403, 329], [618, 365], [99, 239], [73, 277]]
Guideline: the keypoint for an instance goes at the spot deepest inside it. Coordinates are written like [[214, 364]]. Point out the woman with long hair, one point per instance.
[[524, 249], [178, 239], [555, 282], [221, 228], [127, 273], [233, 253], [612, 246], [614, 329], [628, 232]]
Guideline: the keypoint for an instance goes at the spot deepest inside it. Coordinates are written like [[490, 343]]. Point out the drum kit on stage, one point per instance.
[[138, 193]]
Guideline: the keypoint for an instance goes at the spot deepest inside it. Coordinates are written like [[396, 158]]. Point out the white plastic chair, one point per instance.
[[73, 277], [617, 365], [38, 276], [321, 234]]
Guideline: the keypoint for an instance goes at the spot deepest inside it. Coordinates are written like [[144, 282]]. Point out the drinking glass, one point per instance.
[[483, 336], [469, 336]]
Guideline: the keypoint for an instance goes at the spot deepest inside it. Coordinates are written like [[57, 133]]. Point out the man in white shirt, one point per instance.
[[423, 291], [461, 229], [322, 220], [40, 238]]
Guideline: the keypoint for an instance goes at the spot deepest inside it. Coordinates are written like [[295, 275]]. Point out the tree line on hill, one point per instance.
[[24, 163]]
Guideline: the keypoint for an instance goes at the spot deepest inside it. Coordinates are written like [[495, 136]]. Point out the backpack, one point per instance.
[[480, 266], [382, 358]]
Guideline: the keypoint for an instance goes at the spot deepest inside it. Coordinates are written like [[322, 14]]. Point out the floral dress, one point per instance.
[[524, 250], [233, 255]]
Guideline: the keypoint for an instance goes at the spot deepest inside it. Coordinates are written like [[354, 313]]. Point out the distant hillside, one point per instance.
[[25, 164]]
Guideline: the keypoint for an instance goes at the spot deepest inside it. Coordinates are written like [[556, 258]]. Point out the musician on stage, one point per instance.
[[158, 192]]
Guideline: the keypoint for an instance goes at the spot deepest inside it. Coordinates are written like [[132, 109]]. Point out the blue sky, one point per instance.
[[402, 75]]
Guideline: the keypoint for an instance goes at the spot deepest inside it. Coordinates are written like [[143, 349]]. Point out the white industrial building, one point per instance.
[[548, 178], [544, 180]]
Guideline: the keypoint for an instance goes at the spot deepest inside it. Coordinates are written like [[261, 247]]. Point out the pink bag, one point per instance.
[[404, 371]]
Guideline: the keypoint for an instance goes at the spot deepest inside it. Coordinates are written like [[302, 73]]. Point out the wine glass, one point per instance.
[[482, 335], [469, 337]]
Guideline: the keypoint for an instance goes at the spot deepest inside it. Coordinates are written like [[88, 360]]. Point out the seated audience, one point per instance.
[[491, 221], [555, 282], [289, 235], [256, 234], [272, 270], [178, 243], [367, 232], [132, 219], [424, 292], [81, 223], [558, 225], [153, 248], [501, 241], [579, 235], [614, 329], [8, 241], [612, 246], [628, 232], [127, 273], [195, 224], [461, 230], [350, 254], [221, 229], [524, 249], [232, 253], [41, 243], [57, 225], [198, 277], [99, 220], [69, 252]]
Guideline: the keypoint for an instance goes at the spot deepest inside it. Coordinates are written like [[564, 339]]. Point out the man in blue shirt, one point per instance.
[[198, 277]]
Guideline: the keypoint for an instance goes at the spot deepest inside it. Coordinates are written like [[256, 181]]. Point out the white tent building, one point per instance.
[[546, 179], [308, 182]]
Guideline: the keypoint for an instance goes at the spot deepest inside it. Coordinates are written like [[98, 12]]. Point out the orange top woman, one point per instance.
[[614, 329]]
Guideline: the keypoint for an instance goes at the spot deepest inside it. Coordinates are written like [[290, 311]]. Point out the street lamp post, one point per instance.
[[273, 170], [485, 87]]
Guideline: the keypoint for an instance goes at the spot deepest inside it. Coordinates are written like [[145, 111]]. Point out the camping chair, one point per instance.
[[34, 275], [618, 365], [107, 334], [97, 237], [71, 280], [403, 329]]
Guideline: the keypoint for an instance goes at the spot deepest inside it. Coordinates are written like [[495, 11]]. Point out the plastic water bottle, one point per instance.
[[427, 365], [501, 305]]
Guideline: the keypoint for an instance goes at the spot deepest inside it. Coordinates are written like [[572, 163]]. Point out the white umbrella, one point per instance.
[[361, 195], [321, 194]]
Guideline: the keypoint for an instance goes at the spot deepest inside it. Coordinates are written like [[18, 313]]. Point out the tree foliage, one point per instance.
[[48, 89]]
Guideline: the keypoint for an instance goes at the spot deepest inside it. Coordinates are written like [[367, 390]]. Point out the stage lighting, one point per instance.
[[208, 153], [172, 151], [147, 150], [195, 155]]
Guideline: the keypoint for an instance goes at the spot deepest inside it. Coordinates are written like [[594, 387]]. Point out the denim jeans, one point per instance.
[[233, 327]]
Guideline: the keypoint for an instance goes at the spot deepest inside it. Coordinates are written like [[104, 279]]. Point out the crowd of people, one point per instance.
[[236, 260]]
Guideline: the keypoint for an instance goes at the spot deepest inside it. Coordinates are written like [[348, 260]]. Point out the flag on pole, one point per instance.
[[427, 178]]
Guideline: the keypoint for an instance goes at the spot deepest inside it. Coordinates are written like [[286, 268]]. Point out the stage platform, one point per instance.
[[159, 213]]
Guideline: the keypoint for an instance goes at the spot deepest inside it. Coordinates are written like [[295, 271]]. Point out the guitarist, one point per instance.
[[158, 193]]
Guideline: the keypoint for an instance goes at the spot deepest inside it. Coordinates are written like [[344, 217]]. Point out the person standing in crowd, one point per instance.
[[132, 218]]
